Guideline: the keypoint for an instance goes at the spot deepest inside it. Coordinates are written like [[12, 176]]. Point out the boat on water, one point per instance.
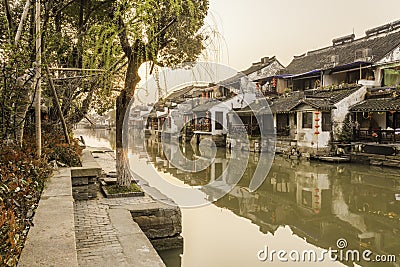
[[337, 159]]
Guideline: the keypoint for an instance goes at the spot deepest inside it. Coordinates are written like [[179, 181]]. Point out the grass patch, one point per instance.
[[116, 189]]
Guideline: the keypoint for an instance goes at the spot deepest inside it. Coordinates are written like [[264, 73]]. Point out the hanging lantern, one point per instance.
[[316, 122], [316, 200]]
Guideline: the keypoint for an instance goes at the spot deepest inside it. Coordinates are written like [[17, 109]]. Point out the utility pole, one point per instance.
[[38, 81]]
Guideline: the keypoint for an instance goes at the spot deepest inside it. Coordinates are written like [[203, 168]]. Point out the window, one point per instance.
[[307, 119], [282, 124], [326, 121], [219, 120], [295, 118]]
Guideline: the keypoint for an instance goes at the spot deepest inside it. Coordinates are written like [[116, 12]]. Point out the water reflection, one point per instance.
[[320, 202]]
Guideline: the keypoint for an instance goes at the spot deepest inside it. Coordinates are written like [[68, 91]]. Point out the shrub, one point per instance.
[[22, 178]]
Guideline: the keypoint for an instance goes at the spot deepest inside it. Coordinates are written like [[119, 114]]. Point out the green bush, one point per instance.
[[22, 178]]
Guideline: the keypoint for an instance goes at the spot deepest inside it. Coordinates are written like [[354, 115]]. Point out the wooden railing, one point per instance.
[[202, 127], [250, 129], [377, 135]]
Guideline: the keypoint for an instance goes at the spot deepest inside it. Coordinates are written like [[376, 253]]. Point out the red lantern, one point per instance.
[[273, 82]]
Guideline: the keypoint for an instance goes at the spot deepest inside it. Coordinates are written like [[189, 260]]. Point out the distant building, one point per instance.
[[309, 121], [373, 60], [263, 70]]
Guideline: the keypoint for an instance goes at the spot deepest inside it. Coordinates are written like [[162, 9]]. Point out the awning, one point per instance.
[[305, 74], [349, 66]]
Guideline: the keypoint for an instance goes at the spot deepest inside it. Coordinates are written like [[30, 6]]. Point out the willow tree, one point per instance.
[[159, 32], [69, 30]]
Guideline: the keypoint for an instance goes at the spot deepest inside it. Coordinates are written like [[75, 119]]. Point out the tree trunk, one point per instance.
[[25, 95], [122, 119]]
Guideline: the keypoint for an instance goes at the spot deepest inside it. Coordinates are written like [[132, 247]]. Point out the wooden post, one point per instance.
[[53, 90], [38, 81]]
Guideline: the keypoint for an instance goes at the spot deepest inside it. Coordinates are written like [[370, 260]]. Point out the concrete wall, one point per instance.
[[342, 108], [239, 101], [306, 137], [281, 85], [267, 71], [335, 78], [393, 56]]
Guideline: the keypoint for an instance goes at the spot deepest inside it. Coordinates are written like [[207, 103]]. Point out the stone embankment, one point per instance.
[[75, 225]]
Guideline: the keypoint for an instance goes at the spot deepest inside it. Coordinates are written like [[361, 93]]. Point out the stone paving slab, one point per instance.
[[139, 253], [51, 241], [106, 234]]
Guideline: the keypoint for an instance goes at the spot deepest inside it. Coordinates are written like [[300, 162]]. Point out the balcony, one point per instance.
[[377, 135], [202, 127]]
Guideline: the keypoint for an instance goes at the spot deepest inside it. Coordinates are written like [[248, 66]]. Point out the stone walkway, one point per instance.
[[104, 230], [97, 239]]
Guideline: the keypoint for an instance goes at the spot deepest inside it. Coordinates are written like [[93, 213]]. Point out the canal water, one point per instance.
[[301, 206]]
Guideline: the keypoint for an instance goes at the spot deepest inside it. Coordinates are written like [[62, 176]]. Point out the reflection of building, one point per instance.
[[313, 191], [320, 202]]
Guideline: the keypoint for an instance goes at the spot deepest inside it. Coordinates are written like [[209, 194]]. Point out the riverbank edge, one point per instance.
[[52, 241]]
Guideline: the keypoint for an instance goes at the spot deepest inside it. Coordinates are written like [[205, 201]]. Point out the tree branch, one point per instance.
[[9, 17], [123, 37]]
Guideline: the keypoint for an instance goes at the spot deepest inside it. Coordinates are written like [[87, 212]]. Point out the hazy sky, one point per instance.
[[252, 29]]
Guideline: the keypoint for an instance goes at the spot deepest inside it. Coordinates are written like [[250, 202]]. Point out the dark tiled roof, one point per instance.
[[253, 68], [319, 99], [333, 96], [232, 80], [286, 104], [321, 58], [258, 66], [206, 106], [380, 104], [257, 107], [289, 104], [184, 92]]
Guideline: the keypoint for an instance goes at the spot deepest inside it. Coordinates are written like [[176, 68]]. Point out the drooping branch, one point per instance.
[[123, 37]]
